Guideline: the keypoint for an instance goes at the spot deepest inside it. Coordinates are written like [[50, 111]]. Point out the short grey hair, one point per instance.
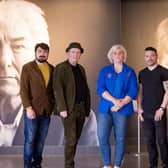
[[115, 47]]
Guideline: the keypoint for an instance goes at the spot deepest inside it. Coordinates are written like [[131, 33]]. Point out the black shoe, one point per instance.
[[35, 165]]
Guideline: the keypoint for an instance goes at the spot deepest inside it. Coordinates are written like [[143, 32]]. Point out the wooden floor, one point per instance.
[[82, 161]]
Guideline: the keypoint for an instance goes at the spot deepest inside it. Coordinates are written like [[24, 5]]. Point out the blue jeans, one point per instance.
[[105, 124], [35, 132]]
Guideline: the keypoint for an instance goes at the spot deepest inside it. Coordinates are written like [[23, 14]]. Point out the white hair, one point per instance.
[[15, 13], [115, 47]]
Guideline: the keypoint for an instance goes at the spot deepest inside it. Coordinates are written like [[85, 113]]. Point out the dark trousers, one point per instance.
[[73, 125], [156, 131], [35, 132]]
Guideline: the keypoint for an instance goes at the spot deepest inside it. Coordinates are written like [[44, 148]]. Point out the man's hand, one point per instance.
[[30, 113], [158, 115], [140, 114], [64, 114]]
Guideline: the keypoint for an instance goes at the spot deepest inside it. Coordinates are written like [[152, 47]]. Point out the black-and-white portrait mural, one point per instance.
[[22, 25]]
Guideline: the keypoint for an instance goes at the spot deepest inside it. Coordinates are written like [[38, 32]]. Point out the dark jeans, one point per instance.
[[73, 125], [35, 132], [156, 131]]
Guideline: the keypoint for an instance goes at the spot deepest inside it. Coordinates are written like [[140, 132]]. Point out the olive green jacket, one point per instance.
[[34, 91], [64, 88]]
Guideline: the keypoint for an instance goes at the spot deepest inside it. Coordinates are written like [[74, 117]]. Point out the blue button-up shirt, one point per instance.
[[118, 85]]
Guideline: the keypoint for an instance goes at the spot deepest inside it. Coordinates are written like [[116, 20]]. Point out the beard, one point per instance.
[[41, 59]]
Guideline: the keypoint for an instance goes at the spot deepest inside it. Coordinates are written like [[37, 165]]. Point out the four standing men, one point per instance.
[[37, 98], [72, 99], [152, 102]]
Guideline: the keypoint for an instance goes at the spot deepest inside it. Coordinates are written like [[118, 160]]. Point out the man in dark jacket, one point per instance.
[[37, 98], [72, 98]]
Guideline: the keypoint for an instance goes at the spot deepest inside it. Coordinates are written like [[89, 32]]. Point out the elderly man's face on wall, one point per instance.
[[21, 27], [15, 50]]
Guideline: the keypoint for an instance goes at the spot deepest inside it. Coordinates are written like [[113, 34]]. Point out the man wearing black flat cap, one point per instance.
[[72, 98]]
